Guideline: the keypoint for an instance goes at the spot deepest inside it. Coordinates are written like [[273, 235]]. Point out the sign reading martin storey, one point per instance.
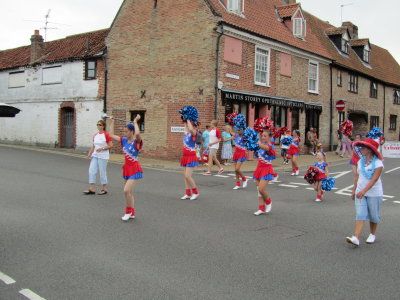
[[229, 96]]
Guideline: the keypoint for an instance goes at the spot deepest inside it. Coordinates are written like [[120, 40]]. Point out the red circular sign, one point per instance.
[[340, 105]]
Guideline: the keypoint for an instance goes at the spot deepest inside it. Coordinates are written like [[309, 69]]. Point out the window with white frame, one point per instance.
[[373, 90], [396, 97], [345, 43], [16, 79], [235, 6], [353, 83], [313, 77], [262, 66], [373, 122], [393, 122], [339, 77], [366, 55], [298, 27]]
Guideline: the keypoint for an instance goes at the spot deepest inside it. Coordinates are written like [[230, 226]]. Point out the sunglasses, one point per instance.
[[99, 124]]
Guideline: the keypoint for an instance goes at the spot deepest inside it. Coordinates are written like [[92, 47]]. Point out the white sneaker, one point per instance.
[[353, 240], [194, 196], [293, 174], [245, 183], [126, 217], [317, 200], [221, 171], [275, 179], [371, 239], [184, 197], [268, 208], [236, 187], [259, 212], [297, 173]]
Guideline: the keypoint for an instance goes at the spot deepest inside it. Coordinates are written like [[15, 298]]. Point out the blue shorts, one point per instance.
[[368, 209], [136, 176]]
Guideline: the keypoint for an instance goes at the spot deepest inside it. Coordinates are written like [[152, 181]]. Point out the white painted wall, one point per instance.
[[37, 123]]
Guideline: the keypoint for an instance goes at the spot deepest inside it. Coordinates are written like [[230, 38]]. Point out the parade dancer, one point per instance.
[[239, 157], [285, 147], [99, 155], [131, 143], [294, 152], [189, 161], [323, 173], [264, 172], [367, 191]]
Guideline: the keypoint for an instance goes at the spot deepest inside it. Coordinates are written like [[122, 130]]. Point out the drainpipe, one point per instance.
[[384, 109], [331, 113], [220, 30], [105, 81]]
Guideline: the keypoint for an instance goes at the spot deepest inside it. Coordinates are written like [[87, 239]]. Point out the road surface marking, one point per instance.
[[30, 295], [298, 183], [346, 191], [288, 185], [392, 170], [387, 196], [340, 174], [223, 176], [311, 189], [398, 202], [230, 174], [6, 279]]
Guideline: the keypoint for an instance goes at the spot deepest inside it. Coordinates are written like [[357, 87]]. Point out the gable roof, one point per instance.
[[70, 48], [261, 18], [359, 42], [287, 11]]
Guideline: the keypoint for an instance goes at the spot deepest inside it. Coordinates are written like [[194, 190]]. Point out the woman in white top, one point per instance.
[[99, 154], [214, 138], [367, 191]]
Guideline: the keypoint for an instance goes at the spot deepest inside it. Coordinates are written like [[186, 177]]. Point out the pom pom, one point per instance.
[[328, 184], [311, 174], [346, 127], [262, 124], [189, 113], [239, 122], [250, 137], [230, 118], [375, 133], [286, 140]]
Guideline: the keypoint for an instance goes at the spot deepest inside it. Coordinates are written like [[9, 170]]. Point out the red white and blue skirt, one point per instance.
[[293, 150], [320, 176], [189, 161], [132, 171], [239, 155], [264, 172]]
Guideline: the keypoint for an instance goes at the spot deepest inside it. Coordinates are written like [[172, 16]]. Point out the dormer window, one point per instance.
[[299, 27], [345, 43], [236, 6]]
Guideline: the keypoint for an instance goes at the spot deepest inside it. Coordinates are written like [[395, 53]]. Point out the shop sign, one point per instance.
[[391, 149]]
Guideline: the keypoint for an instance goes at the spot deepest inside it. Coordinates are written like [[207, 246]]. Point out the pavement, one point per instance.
[[56, 243], [304, 161]]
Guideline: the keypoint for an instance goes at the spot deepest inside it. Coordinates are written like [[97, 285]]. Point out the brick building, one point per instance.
[[258, 57], [59, 87]]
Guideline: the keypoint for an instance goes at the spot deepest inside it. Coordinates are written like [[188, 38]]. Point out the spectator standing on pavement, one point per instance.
[[316, 144], [189, 161], [346, 145], [227, 138], [294, 152], [213, 145], [310, 140], [99, 155], [339, 135], [367, 190], [322, 167], [131, 143], [264, 172]]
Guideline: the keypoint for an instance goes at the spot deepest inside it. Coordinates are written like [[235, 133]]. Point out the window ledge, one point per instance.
[[352, 92], [262, 84], [51, 83], [313, 92]]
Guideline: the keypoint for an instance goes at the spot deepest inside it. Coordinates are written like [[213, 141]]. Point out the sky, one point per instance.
[[376, 22]]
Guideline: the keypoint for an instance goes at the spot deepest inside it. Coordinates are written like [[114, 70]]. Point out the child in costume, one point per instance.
[[323, 173], [294, 152]]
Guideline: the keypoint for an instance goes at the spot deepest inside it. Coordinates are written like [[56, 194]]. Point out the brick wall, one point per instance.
[[168, 52]]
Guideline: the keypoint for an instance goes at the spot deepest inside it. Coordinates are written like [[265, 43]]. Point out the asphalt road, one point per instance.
[[61, 244]]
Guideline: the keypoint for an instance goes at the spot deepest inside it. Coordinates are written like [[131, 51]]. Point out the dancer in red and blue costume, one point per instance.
[[189, 161], [294, 152], [131, 171], [239, 157], [264, 172], [322, 167]]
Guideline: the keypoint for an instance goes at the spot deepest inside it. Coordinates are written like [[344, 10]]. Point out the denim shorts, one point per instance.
[[368, 209]]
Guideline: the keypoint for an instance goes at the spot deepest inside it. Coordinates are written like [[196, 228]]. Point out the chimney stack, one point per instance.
[[37, 46], [353, 29]]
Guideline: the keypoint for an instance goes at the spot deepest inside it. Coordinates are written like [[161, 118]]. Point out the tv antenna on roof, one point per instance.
[[46, 24], [341, 11]]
